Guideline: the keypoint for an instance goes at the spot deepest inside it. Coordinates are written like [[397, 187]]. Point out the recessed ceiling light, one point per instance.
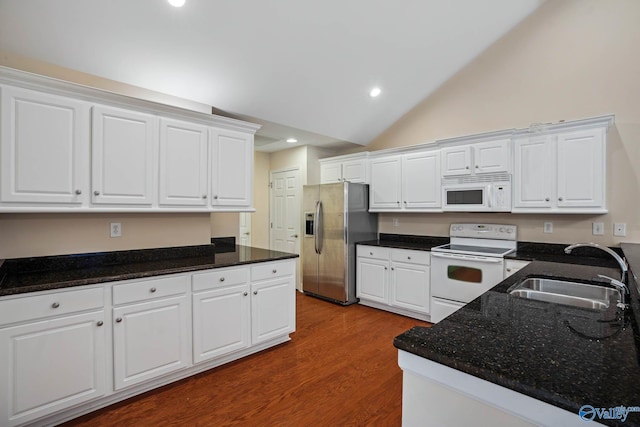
[[292, 140], [176, 3], [375, 92]]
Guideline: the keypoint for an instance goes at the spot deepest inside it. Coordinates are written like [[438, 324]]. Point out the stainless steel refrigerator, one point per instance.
[[336, 216]]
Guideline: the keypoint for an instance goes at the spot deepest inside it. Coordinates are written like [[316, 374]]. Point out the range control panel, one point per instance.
[[484, 231]]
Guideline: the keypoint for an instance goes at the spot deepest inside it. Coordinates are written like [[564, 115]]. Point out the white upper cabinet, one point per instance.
[[421, 181], [456, 160], [123, 156], [183, 164], [479, 157], [70, 148], [562, 171], [410, 182], [44, 147], [385, 190], [231, 169], [352, 168]]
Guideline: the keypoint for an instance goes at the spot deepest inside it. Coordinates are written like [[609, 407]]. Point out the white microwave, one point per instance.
[[492, 196]]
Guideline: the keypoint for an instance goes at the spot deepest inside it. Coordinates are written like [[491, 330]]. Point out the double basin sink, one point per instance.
[[567, 292]]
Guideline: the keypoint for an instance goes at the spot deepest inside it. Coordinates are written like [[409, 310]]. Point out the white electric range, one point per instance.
[[471, 264]]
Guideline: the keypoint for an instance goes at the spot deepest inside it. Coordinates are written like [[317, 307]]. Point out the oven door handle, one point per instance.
[[488, 260]]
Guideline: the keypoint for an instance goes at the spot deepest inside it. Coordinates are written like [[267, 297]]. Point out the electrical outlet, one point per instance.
[[620, 229], [394, 222], [115, 229], [598, 228], [548, 227]]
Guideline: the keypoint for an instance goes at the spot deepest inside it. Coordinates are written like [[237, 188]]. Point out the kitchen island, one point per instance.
[[524, 362], [80, 332]]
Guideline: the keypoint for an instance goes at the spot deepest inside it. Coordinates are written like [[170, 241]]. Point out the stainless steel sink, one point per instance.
[[566, 292]]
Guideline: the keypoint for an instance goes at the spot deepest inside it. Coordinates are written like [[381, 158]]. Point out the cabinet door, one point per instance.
[[492, 157], [534, 173], [456, 161], [385, 187], [581, 169], [123, 156], [220, 322], [44, 147], [372, 280], [410, 287], [183, 164], [50, 365], [330, 173], [354, 171], [272, 310], [231, 168], [421, 181], [149, 340]]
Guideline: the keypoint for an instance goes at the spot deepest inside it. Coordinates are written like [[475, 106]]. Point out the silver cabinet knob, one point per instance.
[[255, 292], [215, 197], [152, 290], [119, 319], [78, 192], [398, 202], [204, 196], [508, 269], [100, 323], [476, 167], [546, 199], [245, 293], [386, 268], [393, 269], [222, 279], [370, 253], [560, 198], [274, 271], [408, 257], [405, 202], [55, 305], [96, 193], [466, 167]]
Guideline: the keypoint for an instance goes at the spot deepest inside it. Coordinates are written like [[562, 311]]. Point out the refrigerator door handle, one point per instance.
[[315, 227], [320, 229]]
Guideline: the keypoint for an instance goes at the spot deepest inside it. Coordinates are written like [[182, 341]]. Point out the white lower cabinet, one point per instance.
[[55, 357], [395, 280], [55, 346]]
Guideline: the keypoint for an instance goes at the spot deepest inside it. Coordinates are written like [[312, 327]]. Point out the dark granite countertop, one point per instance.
[[405, 241], [562, 355], [54, 272]]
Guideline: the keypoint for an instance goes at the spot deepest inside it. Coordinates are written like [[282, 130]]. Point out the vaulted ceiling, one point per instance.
[[303, 68]]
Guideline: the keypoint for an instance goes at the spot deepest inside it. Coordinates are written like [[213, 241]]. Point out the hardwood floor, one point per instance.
[[339, 369]]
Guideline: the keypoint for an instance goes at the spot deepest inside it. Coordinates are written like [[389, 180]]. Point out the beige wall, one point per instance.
[[570, 59], [260, 218]]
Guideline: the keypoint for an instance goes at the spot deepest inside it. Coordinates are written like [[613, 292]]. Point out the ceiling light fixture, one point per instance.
[[176, 3], [292, 140], [375, 92]]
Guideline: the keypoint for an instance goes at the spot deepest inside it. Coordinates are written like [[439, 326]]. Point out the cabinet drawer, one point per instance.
[[150, 289], [414, 257], [270, 270], [372, 252], [53, 304], [219, 278]]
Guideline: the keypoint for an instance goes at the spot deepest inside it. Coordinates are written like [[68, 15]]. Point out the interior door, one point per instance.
[[332, 260], [285, 211], [245, 228]]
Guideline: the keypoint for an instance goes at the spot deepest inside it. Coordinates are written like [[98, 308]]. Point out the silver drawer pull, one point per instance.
[[255, 292], [245, 293], [152, 290], [204, 196], [274, 271], [78, 192], [408, 257], [119, 319], [370, 253], [100, 323], [55, 305], [96, 193], [222, 279]]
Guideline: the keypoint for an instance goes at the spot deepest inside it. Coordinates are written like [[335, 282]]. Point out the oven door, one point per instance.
[[465, 197], [463, 278]]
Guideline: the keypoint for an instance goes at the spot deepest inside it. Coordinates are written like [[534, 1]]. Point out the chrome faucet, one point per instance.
[[621, 284]]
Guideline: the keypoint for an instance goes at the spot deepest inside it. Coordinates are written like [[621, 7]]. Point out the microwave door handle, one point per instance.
[[489, 195], [488, 260]]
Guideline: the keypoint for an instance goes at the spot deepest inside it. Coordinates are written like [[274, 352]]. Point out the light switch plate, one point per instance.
[[620, 229], [548, 227], [598, 228], [394, 222], [115, 230]]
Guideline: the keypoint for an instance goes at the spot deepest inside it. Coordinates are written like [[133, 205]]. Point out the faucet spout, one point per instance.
[[621, 263]]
